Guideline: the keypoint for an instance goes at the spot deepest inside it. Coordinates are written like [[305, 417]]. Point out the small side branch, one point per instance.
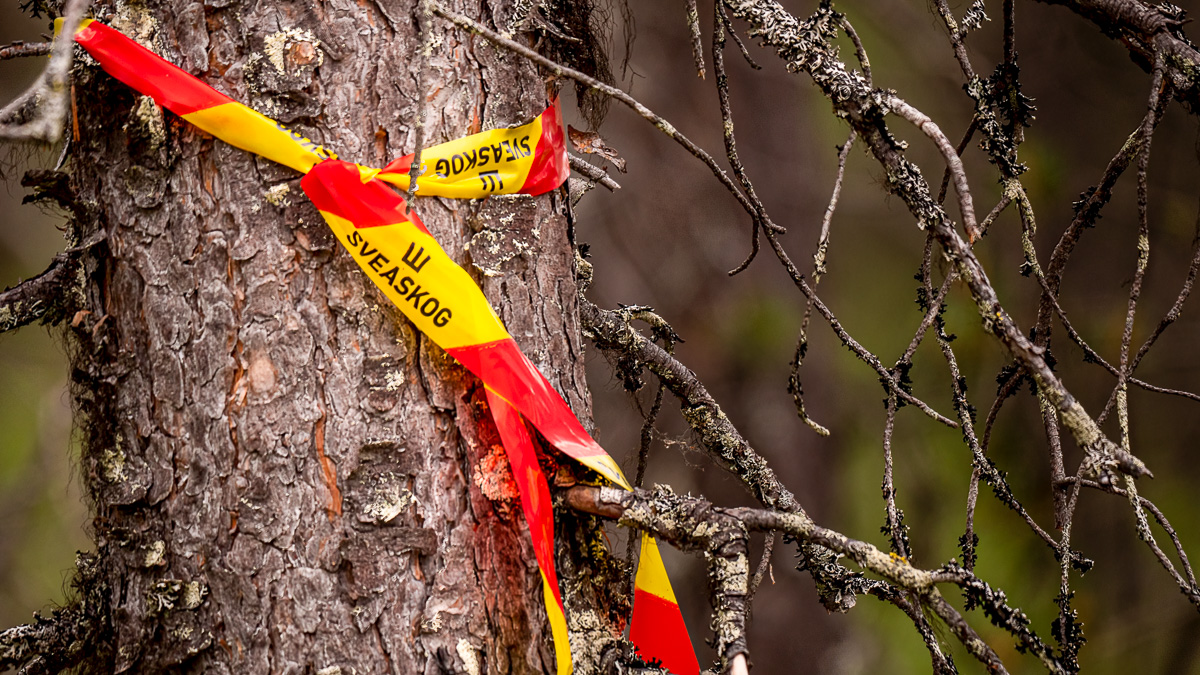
[[32, 300], [694, 524], [53, 644], [593, 173], [836, 585], [18, 50]]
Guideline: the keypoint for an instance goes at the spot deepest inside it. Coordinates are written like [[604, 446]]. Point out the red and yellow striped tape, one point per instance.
[[441, 299], [657, 627], [398, 254]]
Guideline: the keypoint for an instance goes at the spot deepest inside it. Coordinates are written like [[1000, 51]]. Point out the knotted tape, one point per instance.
[[406, 263]]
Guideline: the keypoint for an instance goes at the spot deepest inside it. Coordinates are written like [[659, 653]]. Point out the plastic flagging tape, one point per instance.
[[399, 255], [657, 627], [529, 159]]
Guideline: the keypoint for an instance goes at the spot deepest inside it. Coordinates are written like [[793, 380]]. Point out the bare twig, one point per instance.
[[722, 82], [18, 50], [795, 387], [593, 172], [610, 91], [861, 352], [693, 22], [860, 52], [953, 162], [424, 12], [724, 18], [48, 92]]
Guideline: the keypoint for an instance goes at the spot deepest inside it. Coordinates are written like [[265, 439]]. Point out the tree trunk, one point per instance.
[[286, 477]]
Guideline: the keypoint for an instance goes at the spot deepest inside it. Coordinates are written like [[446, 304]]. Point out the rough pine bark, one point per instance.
[[286, 477]]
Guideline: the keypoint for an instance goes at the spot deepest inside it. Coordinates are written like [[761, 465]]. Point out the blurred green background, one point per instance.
[[42, 514], [667, 239]]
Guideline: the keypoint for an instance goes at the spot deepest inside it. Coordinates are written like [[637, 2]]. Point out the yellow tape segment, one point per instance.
[[558, 629], [431, 289], [245, 128], [652, 574], [490, 162]]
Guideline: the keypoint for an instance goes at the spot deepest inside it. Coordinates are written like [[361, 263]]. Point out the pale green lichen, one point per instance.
[[112, 464], [193, 594], [492, 243], [163, 596], [276, 45], [389, 502], [394, 380], [155, 554], [433, 624], [149, 117], [133, 19], [590, 637], [277, 195], [8, 316]]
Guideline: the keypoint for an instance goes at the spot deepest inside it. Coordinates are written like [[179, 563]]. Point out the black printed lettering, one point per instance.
[[525, 146], [429, 307], [355, 238], [442, 168], [442, 317], [497, 157], [472, 157], [363, 252], [491, 180], [412, 259], [415, 295], [405, 283], [378, 262], [508, 147], [456, 164], [483, 157], [390, 275]]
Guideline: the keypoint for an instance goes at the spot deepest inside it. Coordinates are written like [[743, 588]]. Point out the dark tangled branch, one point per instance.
[[53, 644], [804, 47], [694, 524], [39, 298]]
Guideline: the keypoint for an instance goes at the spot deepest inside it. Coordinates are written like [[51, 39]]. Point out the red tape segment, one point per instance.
[[145, 71], [527, 159], [539, 513]]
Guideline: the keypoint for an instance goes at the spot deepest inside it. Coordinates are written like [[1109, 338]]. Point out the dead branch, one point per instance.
[[48, 94], [50, 645], [610, 91], [20, 49], [38, 298]]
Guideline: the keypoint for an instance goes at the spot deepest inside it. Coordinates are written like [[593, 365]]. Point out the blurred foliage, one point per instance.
[[668, 237], [41, 510]]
